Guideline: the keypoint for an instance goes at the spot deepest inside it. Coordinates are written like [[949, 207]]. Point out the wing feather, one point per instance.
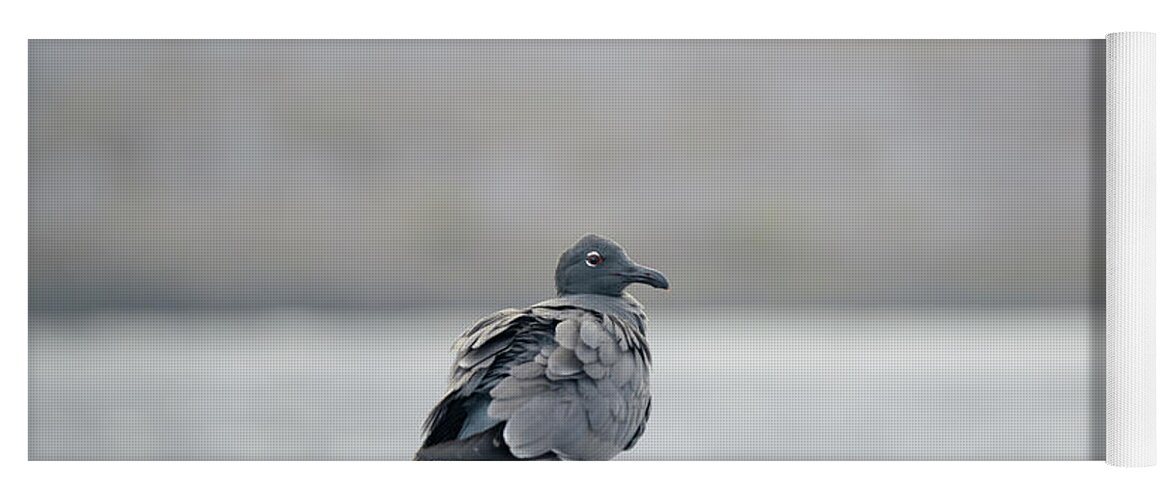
[[561, 379]]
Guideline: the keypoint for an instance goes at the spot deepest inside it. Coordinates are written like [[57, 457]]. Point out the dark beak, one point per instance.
[[646, 275]]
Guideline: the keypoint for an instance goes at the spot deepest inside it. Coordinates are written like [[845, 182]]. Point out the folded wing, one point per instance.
[[558, 380]]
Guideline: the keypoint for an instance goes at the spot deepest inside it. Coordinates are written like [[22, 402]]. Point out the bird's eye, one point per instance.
[[593, 259]]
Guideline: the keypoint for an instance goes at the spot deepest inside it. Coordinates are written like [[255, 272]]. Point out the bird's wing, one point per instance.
[[585, 396], [557, 377], [484, 354]]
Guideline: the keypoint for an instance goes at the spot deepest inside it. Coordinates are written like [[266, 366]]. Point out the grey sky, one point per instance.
[[436, 173]]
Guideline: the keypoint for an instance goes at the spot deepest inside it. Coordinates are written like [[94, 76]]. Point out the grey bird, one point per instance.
[[567, 378]]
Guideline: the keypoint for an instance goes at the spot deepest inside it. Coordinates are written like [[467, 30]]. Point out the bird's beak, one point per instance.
[[646, 275]]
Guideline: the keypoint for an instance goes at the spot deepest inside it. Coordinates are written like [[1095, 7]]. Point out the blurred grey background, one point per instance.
[[260, 249]]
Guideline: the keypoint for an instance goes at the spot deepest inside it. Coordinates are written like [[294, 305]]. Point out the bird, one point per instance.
[[564, 379]]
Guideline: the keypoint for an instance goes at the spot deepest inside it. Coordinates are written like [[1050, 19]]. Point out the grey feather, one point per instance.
[[563, 363], [528, 370], [586, 354], [591, 333], [608, 353], [567, 333], [596, 370], [623, 370]]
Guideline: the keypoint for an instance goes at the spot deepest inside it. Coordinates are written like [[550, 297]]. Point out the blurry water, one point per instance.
[[752, 384]]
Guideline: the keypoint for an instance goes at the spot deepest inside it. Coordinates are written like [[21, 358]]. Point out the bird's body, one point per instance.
[[565, 378]]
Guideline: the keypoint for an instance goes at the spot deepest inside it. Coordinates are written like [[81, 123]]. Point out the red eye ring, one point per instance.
[[594, 259]]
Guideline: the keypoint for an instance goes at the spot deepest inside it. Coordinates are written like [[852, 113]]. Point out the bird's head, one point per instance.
[[600, 266]]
